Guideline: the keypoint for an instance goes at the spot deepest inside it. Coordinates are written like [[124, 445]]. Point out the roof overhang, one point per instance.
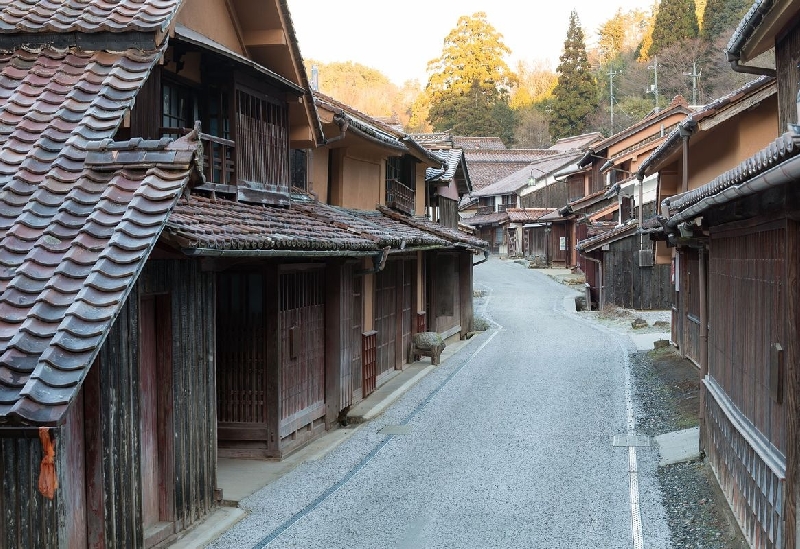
[[759, 28]]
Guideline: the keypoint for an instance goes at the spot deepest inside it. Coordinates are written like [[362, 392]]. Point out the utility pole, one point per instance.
[[611, 74], [695, 76], [654, 87]]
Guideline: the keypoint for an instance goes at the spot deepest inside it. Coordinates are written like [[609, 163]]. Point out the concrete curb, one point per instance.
[[393, 396]]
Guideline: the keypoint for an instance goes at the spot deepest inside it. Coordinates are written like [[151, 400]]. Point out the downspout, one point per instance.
[[343, 122], [748, 69], [485, 258], [641, 211], [703, 344], [378, 262], [685, 145]]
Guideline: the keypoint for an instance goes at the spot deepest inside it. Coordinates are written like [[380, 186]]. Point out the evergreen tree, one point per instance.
[[676, 21], [470, 79], [575, 94], [722, 16]]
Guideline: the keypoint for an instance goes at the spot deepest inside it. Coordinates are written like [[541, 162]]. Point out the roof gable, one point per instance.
[[86, 16], [69, 261]]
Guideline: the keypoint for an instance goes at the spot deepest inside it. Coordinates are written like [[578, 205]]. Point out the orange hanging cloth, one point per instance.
[[48, 483]]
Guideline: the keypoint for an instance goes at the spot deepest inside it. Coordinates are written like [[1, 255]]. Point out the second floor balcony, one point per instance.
[[400, 196]]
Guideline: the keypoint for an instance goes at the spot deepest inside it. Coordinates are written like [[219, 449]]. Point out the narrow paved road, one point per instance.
[[507, 445]]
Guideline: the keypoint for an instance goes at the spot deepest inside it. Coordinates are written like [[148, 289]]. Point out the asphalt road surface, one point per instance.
[[507, 444]]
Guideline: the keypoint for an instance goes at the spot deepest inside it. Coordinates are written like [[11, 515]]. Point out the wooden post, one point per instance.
[[335, 332], [273, 362], [792, 336], [702, 275], [465, 287]]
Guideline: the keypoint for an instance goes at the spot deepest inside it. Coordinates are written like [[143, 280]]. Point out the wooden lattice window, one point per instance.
[[262, 142]]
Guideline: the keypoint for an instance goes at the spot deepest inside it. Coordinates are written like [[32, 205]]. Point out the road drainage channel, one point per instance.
[[390, 431]]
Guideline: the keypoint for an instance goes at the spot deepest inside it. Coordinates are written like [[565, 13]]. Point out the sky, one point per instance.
[[399, 38]]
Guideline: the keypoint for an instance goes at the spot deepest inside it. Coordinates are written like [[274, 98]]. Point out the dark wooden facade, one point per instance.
[[686, 304], [271, 369], [629, 286], [149, 397], [449, 293], [751, 430], [395, 313]]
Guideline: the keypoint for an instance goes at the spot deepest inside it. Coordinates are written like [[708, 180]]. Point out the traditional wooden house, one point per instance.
[[536, 179], [164, 296], [710, 141], [607, 169], [743, 223], [423, 286]]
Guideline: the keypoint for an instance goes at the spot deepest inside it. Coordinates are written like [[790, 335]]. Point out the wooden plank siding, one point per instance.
[[302, 348], [629, 286], [689, 304], [386, 319], [28, 519], [444, 309], [747, 418]]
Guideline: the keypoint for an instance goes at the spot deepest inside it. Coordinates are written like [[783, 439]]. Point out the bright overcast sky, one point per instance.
[[399, 38]]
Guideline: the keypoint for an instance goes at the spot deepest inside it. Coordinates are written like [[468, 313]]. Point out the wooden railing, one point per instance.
[[399, 196], [220, 159], [219, 156]]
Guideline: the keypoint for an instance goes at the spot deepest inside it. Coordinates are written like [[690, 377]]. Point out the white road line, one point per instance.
[[633, 469]]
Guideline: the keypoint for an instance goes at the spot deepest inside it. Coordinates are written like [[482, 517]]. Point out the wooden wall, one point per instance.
[[629, 286], [106, 416], [787, 56], [747, 412], [112, 410], [28, 519], [554, 195], [689, 304]]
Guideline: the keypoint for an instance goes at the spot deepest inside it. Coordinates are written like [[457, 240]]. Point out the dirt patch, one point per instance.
[[667, 392]]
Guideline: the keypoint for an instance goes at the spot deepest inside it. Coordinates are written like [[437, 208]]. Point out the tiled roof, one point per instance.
[[576, 142], [527, 215], [747, 27], [69, 239], [204, 226], [728, 186], [475, 143], [52, 103], [440, 140], [493, 218], [586, 201], [489, 166], [451, 158], [68, 260], [86, 16], [541, 167], [607, 236], [453, 236]]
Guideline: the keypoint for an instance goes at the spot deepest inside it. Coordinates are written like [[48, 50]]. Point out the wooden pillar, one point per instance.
[[335, 334], [792, 377], [703, 280], [398, 308], [272, 336], [465, 287]]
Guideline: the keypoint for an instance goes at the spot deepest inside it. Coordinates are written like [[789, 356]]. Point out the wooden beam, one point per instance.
[[271, 37]]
